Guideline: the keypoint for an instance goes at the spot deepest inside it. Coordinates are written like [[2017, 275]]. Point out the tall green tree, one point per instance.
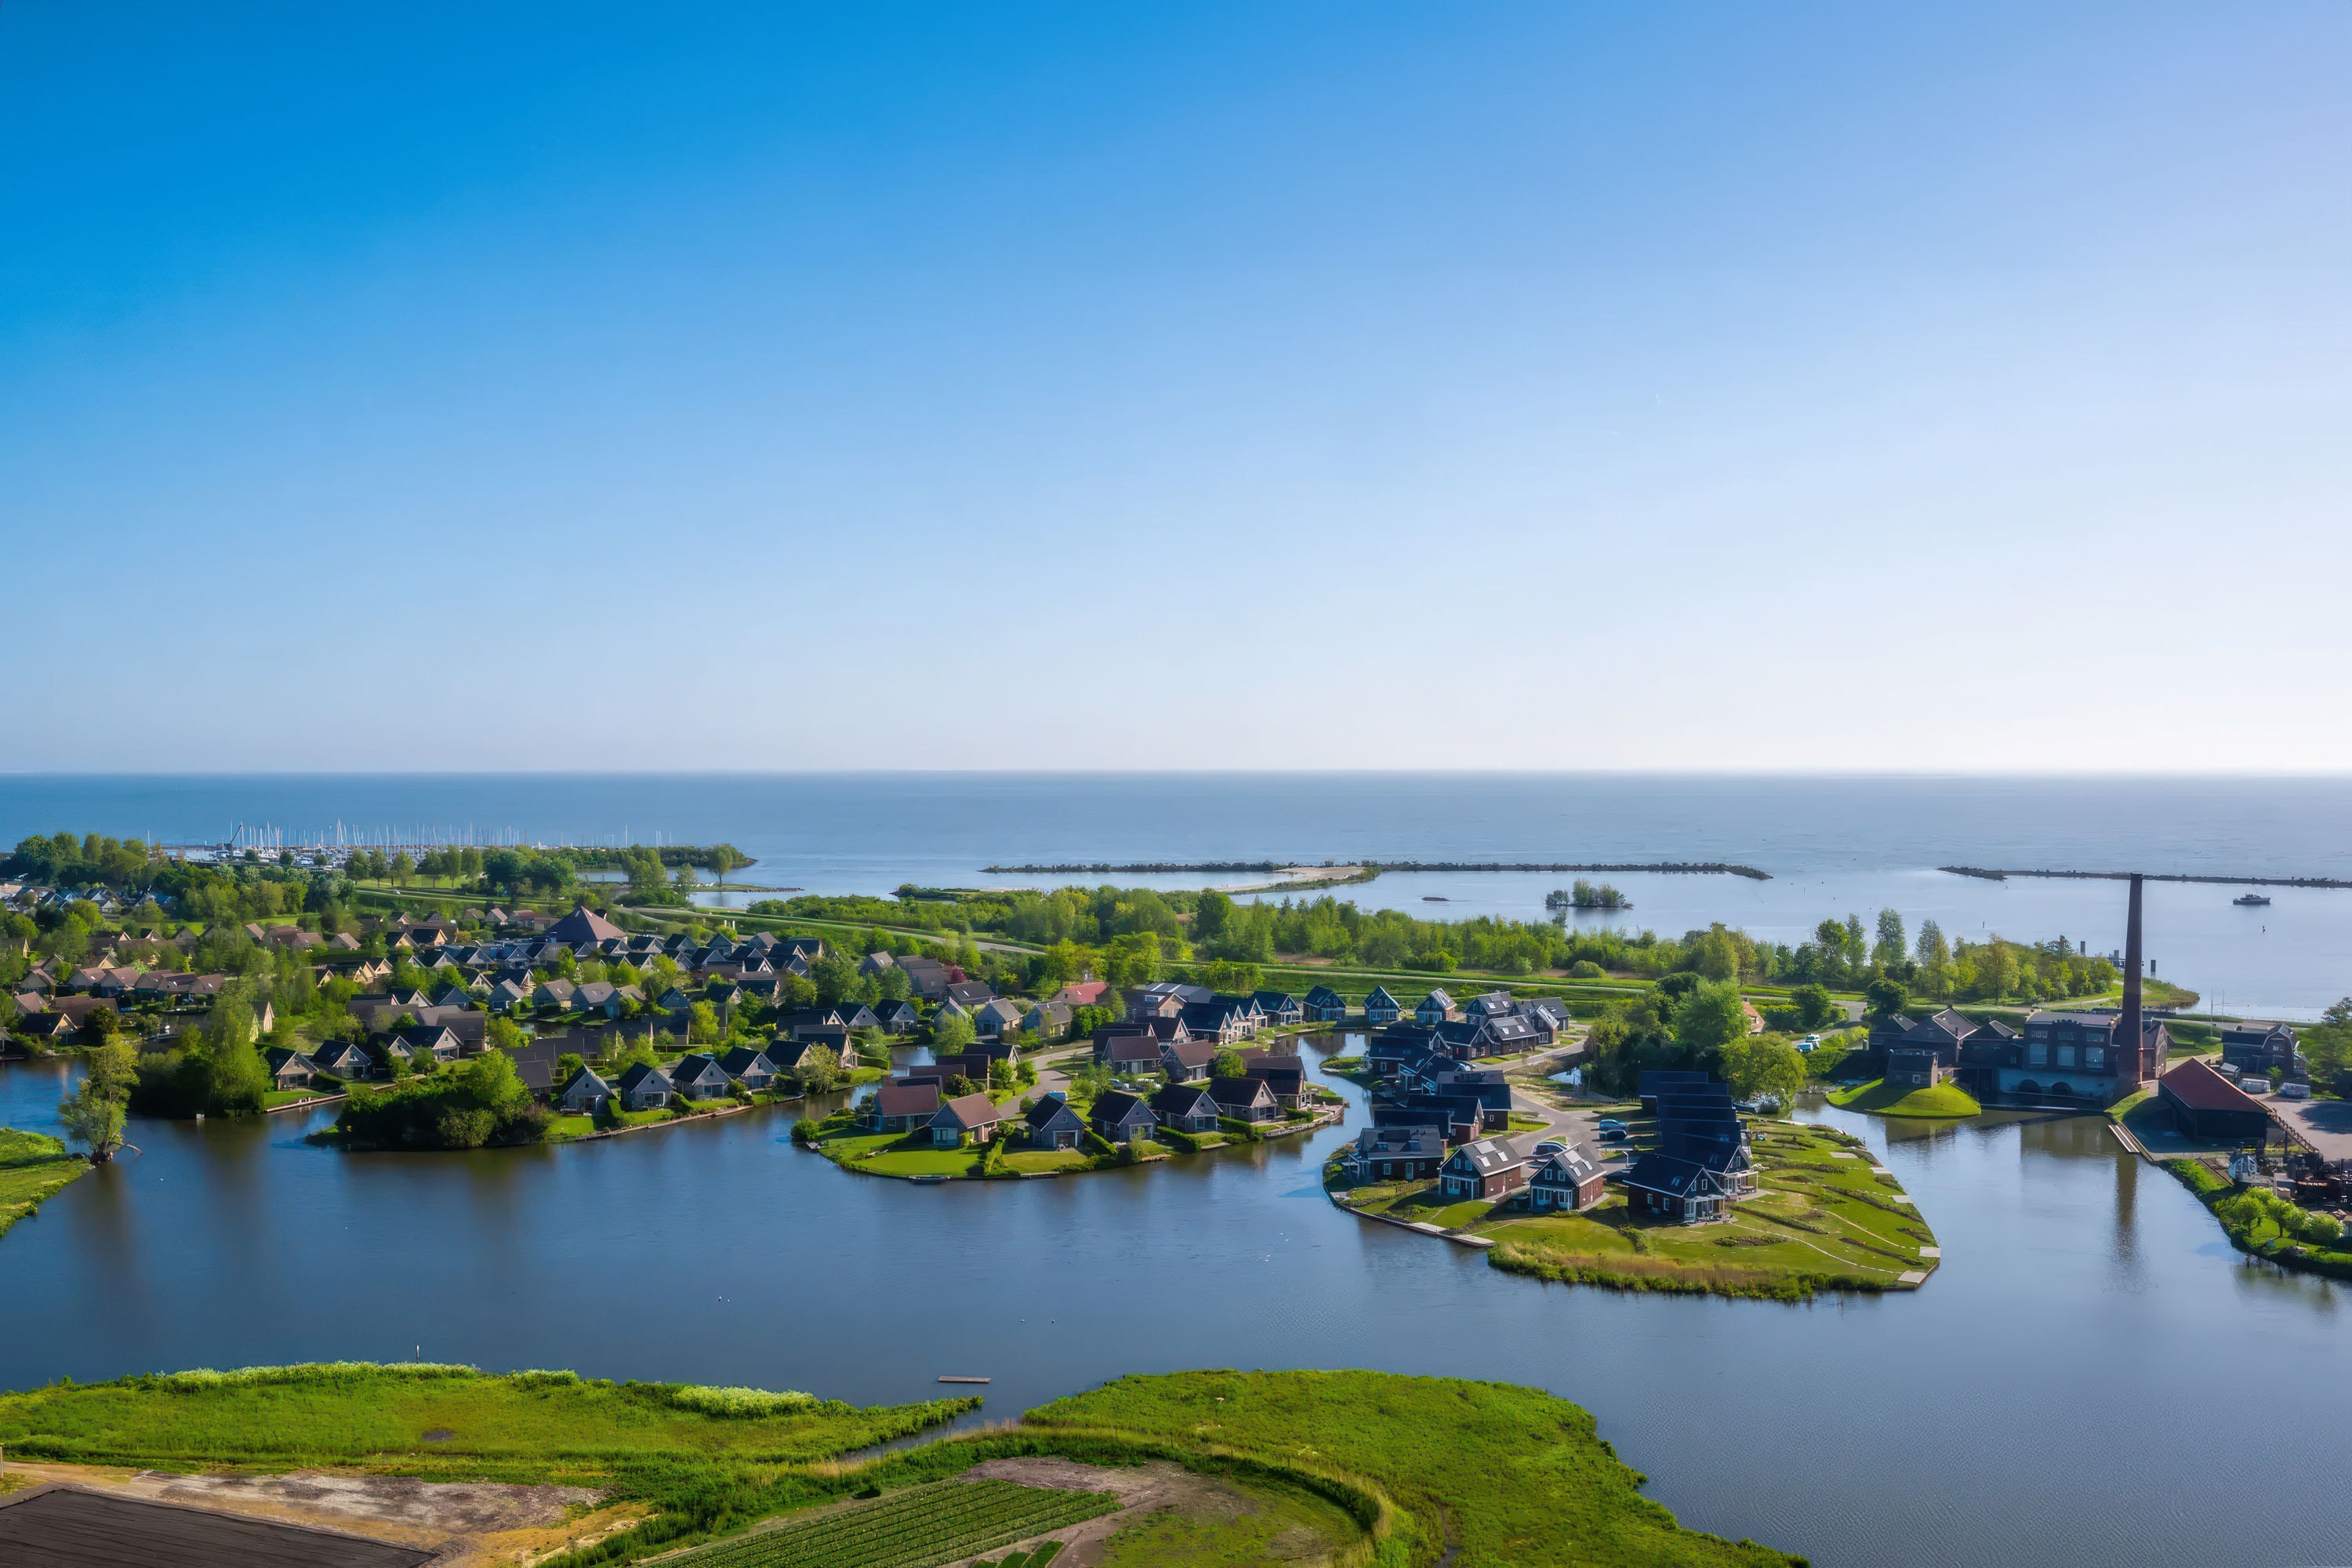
[[1891, 948], [1709, 1019], [1764, 1065]]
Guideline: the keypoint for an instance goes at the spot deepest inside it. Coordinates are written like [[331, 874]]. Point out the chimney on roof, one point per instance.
[[2130, 1059]]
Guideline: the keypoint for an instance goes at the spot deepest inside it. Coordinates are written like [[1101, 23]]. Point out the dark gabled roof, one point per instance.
[[1436, 996], [584, 924], [1114, 1107], [1665, 1173], [1486, 1156], [584, 1076], [1238, 1090], [1052, 1116], [1324, 996], [1570, 1165], [1380, 997], [1401, 1137], [1191, 1052], [743, 1057], [638, 1073], [1273, 1000], [1939, 1028], [1510, 1028], [1131, 1046], [1182, 1099]]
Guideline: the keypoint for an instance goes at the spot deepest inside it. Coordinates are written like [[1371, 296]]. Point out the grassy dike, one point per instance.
[[1822, 1219], [33, 1167], [1395, 1472], [1884, 1098]]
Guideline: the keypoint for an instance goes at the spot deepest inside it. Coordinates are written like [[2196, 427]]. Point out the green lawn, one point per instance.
[[1422, 1203], [272, 1098], [358, 1413], [33, 1165], [1505, 1477], [1943, 1099], [963, 1162], [1045, 1160]]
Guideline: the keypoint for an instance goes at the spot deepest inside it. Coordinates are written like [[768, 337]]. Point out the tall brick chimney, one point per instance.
[[2130, 1060]]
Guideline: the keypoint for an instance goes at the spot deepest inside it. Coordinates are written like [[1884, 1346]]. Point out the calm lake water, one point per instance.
[[1833, 846], [2091, 1378]]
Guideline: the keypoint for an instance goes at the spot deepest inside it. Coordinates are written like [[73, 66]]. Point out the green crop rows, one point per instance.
[[917, 1527], [1037, 1559]]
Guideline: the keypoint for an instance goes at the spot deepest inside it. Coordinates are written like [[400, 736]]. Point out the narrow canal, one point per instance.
[[2092, 1377]]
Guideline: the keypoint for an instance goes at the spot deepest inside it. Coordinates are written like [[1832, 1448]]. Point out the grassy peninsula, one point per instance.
[[33, 1166], [428, 1419], [1477, 1472], [1822, 1218], [1204, 1469], [1943, 1099]]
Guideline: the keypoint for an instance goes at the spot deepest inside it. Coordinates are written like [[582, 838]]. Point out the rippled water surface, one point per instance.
[[2091, 1378]]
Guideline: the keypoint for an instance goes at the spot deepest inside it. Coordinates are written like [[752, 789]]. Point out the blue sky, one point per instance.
[[1570, 386]]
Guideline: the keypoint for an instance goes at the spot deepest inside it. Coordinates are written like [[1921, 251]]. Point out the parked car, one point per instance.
[[1606, 1122], [1613, 1135]]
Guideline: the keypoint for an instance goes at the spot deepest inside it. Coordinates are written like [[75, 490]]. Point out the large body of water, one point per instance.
[[1833, 846], [2092, 1377]]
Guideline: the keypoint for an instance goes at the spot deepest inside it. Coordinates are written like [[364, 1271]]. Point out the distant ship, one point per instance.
[[2250, 900]]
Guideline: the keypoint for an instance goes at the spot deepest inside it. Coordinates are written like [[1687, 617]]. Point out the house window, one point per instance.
[[2095, 1055], [2065, 1055], [2036, 1054]]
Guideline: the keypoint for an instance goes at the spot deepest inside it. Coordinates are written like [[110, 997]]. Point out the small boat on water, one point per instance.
[[2251, 900], [1435, 899]]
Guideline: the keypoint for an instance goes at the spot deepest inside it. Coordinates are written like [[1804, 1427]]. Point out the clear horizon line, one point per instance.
[[1755, 773]]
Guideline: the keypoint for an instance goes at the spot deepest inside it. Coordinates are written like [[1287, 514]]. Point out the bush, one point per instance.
[[743, 1404], [1585, 969], [454, 1110]]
